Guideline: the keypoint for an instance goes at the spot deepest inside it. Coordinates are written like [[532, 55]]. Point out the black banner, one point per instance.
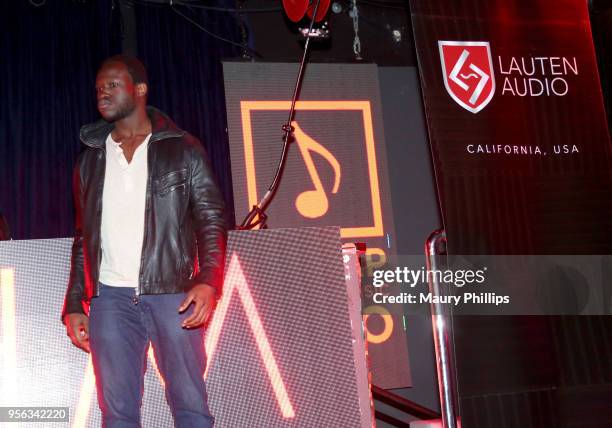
[[522, 160], [517, 125]]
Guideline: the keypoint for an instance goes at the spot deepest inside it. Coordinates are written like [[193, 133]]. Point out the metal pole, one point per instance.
[[442, 330], [259, 209]]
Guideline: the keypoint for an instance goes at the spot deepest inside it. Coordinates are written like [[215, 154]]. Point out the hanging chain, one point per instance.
[[354, 13]]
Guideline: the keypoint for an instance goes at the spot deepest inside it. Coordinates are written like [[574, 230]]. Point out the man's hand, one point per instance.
[[203, 298], [77, 329]]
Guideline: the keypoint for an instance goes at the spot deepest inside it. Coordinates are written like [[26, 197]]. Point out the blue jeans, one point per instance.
[[120, 328]]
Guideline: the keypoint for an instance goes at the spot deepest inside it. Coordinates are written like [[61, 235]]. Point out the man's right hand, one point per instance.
[[77, 328]]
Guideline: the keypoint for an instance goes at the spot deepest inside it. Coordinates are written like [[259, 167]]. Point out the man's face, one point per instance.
[[115, 92]]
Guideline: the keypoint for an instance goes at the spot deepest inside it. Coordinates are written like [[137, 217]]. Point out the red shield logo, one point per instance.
[[467, 69]]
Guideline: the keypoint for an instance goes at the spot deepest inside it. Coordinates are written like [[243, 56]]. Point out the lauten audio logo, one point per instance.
[[467, 69]]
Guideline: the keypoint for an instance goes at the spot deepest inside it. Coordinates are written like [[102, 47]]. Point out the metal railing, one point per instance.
[[441, 323]]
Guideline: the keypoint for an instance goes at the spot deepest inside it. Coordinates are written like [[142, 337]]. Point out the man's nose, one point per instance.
[[102, 91]]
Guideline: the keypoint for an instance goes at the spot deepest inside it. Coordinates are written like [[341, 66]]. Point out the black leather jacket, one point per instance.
[[185, 229]]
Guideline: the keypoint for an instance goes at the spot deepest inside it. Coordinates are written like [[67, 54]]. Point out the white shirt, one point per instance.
[[123, 207]]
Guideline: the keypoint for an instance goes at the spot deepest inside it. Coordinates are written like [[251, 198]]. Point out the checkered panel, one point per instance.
[[295, 279]]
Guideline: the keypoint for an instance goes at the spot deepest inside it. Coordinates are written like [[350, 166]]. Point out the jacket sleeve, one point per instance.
[[207, 211], [73, 302]]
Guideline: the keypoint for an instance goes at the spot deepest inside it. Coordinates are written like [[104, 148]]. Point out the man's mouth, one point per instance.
[[103, 104]]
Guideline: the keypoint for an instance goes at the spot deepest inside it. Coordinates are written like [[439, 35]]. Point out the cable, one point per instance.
[[161, 3], [173, 3], [223, 9], [223, 39]]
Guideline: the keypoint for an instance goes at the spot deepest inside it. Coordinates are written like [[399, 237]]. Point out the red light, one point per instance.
[[235, 280], [87, 389], [9, 335]]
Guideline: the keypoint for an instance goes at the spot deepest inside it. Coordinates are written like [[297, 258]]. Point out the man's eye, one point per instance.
[[110, 85]]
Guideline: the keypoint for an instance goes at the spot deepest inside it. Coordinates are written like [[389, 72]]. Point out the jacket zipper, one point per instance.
[[103, 148], [148, 196]]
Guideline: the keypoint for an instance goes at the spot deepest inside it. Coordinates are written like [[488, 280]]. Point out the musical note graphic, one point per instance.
[[314, 203]]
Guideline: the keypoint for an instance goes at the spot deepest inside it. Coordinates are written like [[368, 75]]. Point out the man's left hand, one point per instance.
[[203, 298]]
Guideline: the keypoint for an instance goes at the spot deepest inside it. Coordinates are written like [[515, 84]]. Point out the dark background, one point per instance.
[[50, 55]]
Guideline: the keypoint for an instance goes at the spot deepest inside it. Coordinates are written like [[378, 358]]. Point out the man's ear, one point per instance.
[[142, 89]]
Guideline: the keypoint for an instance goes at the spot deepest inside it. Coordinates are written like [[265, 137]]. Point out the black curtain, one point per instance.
[[50, 54], [185, 73], [49, 57]]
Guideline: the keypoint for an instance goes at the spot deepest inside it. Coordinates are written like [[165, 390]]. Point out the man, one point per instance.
[[149, 251]]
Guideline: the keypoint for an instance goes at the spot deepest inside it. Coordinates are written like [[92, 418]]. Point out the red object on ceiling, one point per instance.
[[296, 9]]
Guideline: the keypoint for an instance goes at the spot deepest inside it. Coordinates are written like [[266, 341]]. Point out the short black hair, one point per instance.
[[134, 66]]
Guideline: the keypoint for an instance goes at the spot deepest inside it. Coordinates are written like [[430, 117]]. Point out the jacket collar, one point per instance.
[[95, 134]]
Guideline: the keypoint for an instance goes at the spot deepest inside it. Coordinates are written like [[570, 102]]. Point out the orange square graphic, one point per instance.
[[356, 231]]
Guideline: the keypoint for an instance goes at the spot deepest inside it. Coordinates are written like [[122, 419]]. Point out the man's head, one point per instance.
[[121, 87]]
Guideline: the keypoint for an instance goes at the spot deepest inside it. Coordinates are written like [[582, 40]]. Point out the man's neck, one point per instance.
[[135, 125], [131, 131]]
